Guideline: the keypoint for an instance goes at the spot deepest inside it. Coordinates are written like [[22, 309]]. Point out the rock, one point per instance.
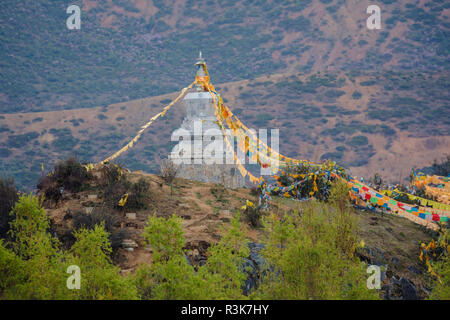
[[129, 243], [92, 196], [409, 290], [131, 215]]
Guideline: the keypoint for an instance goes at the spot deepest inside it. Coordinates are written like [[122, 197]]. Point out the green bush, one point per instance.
[[308, 259], [100, 278], [8, 197], [171, 277]]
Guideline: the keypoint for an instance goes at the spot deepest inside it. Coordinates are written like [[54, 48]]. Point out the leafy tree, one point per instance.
[[170, 276], [11, 268], [8, 196], [100, 279]]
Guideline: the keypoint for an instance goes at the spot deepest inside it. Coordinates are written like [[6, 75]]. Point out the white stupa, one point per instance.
[[199, 153]]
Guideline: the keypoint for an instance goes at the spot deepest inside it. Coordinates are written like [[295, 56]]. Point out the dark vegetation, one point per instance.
[[246, 25], [411, 94], [326, 230], [8, 197], [115, 185], [439, 167]]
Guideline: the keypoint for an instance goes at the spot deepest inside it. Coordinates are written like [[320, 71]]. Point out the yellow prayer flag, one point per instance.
[[123, 200]]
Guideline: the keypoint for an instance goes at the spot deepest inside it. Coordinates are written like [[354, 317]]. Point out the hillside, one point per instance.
[[207, 209], [372, 100]]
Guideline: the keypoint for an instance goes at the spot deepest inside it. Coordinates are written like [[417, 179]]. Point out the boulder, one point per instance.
[[130, 215]]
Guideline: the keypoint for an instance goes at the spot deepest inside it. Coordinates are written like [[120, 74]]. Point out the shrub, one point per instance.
[[114, 191], [18, 141], [107, 220], [334, 93], [111, 173], [8, 197], [305, 258], [377, 181], [40, 267], [139, 195]]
